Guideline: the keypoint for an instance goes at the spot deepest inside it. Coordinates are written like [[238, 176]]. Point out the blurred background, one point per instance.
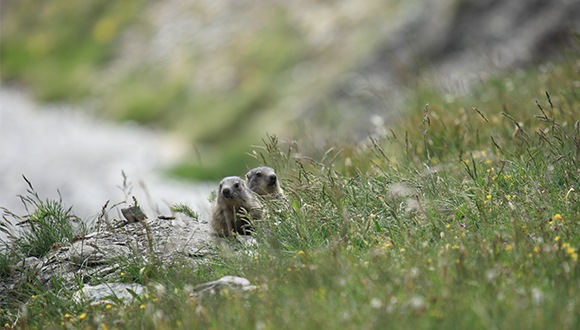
[[178, 91]]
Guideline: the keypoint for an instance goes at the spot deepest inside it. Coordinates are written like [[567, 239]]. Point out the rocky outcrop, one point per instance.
[[99, 255]]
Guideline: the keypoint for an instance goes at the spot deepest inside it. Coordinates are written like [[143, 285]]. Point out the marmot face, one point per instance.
[[233, 190], [263, 181]]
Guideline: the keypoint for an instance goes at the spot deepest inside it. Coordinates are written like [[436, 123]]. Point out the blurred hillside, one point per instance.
[[223, 74]]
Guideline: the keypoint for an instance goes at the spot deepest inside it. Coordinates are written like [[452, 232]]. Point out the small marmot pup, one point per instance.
[[234, 201], [264, 182]]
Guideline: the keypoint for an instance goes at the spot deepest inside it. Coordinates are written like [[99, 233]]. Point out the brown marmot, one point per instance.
[[264, 182], [234, 201]]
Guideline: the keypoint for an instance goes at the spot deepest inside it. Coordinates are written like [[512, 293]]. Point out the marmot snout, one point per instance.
[[264, 181], [232, 201]]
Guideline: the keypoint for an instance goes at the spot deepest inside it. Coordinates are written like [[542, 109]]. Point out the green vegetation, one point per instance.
[[50, 225], [56, 47], [465, 215], [75, 50]]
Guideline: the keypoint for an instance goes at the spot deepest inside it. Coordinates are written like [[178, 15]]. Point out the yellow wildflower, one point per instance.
[[557, 238], [82, 316], [558, 216], [142, 306]]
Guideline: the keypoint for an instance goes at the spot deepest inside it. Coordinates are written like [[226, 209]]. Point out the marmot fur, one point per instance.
[[234, 201], [263, 181]]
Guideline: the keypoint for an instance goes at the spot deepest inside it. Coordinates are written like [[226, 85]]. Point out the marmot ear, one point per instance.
[[248, 176]]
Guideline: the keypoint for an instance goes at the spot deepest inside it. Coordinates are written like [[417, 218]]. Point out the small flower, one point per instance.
[[447, 226], [429, 260], [108, 306], [104, 326], [570, 250], [574, 256], [530, 254], [455, 247], [6, 325], [558, 216], [300, 252], [142, 306], [462, 225], [289, 269], [536, 249], [403, 250], [565, 245], [488, 196], [508, 247], [366, 262], [488, 162], [557, 238], [82, 316], [122, 274], [66, 315]]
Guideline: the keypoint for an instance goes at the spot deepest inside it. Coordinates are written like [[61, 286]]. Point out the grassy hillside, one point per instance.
[[465, 214]]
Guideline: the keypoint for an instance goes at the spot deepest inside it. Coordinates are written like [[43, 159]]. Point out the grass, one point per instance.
[[465, 214], [50, 225]]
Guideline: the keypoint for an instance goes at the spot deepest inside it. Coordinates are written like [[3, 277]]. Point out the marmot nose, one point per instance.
[[273, 179], [227, 193]]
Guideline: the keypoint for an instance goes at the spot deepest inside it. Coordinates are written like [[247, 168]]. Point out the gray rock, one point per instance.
[[229, 283], [103, 293]]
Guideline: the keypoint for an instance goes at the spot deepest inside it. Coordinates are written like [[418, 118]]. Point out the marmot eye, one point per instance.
[[258, 174], [237, 185]]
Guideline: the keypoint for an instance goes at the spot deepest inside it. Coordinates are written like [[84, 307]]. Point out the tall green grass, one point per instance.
[[48, 225]]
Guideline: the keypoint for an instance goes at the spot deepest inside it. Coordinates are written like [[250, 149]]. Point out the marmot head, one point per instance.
[[263, 181], [232, 189]]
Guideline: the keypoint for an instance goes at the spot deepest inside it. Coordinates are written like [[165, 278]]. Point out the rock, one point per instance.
[[28, 263], [103, 293], [82, 253], [133, 214], [226, 283], [97, 256]]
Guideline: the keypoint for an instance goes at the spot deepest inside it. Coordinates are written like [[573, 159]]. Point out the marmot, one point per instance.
[[263, 181], [234, 201]]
